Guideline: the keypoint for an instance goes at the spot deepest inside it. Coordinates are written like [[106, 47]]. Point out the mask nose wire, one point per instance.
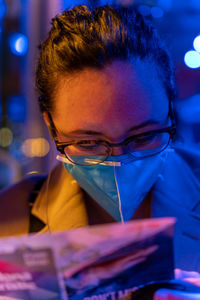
[[118, 193]]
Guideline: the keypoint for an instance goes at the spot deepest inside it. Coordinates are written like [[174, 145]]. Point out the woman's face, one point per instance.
[[110, 104]]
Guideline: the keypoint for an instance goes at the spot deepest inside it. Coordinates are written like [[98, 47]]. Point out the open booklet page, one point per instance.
[[104, 262]]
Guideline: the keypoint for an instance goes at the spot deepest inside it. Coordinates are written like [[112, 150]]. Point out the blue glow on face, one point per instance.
[[16, 108], [18, 44], [192, 59], [196, 43]]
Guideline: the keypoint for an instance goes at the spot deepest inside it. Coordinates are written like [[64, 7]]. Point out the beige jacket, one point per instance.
[[68, 206]]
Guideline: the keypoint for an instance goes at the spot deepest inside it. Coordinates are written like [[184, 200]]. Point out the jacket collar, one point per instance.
[[62, 201]]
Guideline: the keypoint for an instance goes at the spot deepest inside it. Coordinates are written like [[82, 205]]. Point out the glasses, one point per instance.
[[93, 152]]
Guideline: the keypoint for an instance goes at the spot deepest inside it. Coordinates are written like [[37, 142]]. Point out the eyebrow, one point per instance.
[[97, 133]]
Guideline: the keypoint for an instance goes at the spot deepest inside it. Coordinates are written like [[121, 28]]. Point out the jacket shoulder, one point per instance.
[[14, 212], [191, 156]]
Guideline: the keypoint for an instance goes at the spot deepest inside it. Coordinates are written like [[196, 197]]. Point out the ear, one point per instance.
[[47, 122], [46, 118]]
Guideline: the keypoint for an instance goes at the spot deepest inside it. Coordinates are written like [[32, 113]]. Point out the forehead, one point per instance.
[[119, 96]]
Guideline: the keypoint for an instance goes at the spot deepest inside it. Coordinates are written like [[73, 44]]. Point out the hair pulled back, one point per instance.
[[82, 37]]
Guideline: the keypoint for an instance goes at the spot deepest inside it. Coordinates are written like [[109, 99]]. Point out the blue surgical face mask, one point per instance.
[[120, 186]]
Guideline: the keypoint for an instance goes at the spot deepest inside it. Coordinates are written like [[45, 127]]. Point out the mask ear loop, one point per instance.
[[47, 183], [120, 204]]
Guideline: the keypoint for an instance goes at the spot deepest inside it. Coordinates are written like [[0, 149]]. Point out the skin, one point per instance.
[[111, 104]]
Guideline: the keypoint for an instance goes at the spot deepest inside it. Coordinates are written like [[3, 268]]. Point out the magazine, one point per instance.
[[101, 262]]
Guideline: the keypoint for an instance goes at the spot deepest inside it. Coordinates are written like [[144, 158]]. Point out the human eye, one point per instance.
[[85, 147], [88, 144], [146, 141]]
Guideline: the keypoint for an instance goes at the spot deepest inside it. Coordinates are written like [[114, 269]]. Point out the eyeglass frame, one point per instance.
[[61, 145]]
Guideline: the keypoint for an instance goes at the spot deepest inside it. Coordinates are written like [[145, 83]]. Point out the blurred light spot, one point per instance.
[[37, 147], [144, 10], [3, 9], [32, 173], [16, 108], [165, 4], [157, 12], [192, 59], [18, 43], [6, 137], [196, 43]]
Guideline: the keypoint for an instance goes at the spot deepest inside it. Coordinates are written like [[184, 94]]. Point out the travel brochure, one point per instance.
[[101, 262]]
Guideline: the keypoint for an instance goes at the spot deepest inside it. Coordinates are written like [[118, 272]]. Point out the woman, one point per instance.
[[106, 86]]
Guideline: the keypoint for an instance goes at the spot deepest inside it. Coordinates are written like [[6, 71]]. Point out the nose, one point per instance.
[[117, 150]]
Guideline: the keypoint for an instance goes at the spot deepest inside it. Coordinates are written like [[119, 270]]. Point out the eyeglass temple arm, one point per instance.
[[172, 113], [52, 128]]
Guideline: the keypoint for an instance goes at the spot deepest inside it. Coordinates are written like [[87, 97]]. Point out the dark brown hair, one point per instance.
[[83, 37]]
